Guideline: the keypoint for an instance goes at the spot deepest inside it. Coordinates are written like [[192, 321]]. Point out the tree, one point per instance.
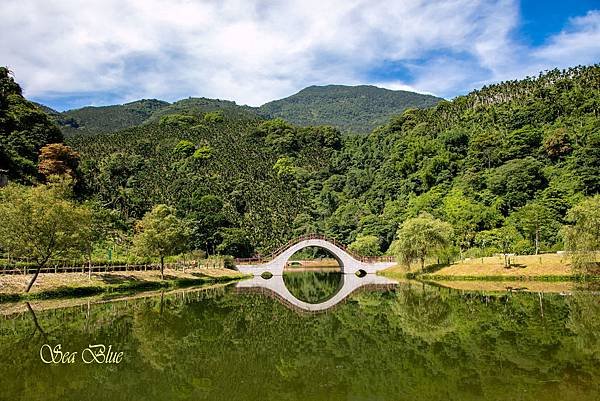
[[117, 183], [41, 223], [585, 162], [582, 234], [178, 121], [517, 181], [557, 144], [58, 159], [503, 239], [468, 217], [203, 152], [236, 242], [216, 116], [419, 236], [279, 135], [184, 148], [160, 233], [207, 218], [366, 245], [536, 220]]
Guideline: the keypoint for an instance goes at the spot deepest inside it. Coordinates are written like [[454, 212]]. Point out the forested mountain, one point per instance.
[[349, 108], [109, 118], [502, 165], [357, 109], [104, 119], [505, 161], [199, 106], [226, 174]]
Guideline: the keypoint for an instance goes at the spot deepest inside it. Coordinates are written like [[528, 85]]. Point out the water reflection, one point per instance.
[[313, 286], [413, 342], [313, 291]]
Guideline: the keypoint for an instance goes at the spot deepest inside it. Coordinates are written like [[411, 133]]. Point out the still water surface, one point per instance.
[[411, 342]]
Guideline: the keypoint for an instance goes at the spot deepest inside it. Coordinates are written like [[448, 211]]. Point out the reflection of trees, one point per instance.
[[584, 322], [423, 314], [412, 344], [313, 287]]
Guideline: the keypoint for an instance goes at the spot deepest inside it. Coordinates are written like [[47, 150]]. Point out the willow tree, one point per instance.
[[366, 245], [160, 233], [582, 235], [419, 237], [42, 224]]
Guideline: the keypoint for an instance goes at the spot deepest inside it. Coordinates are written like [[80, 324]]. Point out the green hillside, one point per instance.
[[199, 106], [357, 109], [109, 118], [484, 162], [104, 119], [223, 174]]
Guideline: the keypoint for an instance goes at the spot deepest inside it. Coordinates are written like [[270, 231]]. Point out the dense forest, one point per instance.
[[24, 129], [502, 166]]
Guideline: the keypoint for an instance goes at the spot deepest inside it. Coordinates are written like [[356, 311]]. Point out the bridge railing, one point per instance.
[[292, 242]]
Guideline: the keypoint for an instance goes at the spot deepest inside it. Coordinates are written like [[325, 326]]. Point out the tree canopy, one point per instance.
[[160, 233], [41, 223]]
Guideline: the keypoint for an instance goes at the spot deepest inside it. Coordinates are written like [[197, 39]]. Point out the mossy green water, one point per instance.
[[413, 343]]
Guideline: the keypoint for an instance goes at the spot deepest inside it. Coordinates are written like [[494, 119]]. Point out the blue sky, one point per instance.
[[67, 55]]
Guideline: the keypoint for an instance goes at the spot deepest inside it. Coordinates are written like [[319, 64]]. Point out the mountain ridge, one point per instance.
[[357, 109]]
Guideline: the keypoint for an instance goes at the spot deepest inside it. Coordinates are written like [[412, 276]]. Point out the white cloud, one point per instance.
[[256, 51], [579, 43]]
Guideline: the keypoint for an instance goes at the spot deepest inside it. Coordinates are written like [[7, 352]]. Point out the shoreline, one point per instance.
[[77, 285], [543, 267], [14, 308]]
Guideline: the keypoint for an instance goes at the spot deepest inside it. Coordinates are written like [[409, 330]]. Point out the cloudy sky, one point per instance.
[[69, 53]]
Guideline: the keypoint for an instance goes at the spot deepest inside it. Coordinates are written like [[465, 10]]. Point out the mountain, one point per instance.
[[199, 106], [503, 165], [103, 119], [350, 108]]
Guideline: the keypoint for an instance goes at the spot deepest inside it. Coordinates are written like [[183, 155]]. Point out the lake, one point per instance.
[[408, 341]]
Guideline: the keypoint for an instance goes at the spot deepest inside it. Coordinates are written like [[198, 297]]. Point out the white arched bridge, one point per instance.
[[349, 263]]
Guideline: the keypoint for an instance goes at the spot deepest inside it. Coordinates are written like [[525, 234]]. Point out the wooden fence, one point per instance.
[[95, 269]]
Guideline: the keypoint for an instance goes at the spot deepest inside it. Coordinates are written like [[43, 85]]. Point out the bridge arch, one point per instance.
[[349, 264], [329, 251]]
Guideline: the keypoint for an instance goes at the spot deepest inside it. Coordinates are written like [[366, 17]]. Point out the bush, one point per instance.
[[220, 262], [366, 245], [214, 117], [177, 121], [524, 247]]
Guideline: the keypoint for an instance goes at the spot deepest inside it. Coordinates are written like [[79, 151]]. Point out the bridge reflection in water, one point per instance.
[[350, 283]]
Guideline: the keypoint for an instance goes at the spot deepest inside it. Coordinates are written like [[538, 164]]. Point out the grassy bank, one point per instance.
[[66, 285], [547, 267], [492, 287]]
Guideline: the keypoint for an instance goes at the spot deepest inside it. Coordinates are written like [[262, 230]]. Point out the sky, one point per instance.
[[69, 53]]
